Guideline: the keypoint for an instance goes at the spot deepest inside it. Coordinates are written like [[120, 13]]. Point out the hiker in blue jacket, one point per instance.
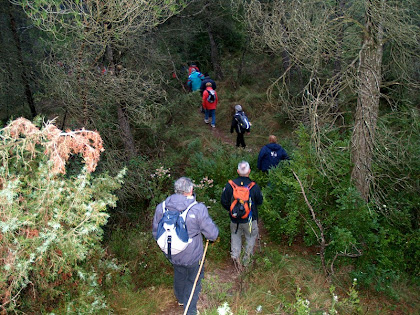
[[186, 264], [271, 155], [204, 82], [194, 80]]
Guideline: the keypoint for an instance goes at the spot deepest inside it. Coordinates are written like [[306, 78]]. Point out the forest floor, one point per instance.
[[224, 273]]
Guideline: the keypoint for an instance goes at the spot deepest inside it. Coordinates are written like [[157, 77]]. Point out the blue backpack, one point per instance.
[[172, 234], [243, 121]]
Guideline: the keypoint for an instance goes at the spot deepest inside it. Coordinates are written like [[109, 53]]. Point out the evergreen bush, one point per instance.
[[354, 231], [51, 222]]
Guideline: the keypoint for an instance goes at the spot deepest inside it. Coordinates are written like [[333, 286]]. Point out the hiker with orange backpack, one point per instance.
[[241, 197]]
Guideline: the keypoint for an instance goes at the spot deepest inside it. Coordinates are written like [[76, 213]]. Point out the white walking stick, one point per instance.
[[196, 279]]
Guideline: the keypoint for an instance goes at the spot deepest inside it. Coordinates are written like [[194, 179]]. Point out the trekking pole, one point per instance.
[[259, 239], [196, 279]]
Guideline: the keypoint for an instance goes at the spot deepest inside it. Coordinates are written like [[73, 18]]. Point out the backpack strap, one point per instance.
[[184, 213], [251, 184]]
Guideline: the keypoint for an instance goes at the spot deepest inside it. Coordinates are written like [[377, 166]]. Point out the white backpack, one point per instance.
[[172, 234]]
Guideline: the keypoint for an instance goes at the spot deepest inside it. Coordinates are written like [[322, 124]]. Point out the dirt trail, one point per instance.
[[223, 134], [225, 275], [226, 272]]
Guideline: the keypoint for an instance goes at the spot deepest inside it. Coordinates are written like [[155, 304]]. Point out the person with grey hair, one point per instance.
[[240, 132], [198, 221], [246, 223]]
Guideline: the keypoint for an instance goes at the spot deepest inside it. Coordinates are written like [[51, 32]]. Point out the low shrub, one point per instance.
[[51, 222]]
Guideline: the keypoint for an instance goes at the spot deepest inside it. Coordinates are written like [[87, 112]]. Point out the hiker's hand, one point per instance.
[[215, 241]]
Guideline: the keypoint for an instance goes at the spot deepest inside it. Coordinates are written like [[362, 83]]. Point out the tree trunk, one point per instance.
[[285, 57], [123, 121], [126, 134], [339, 13], [82, 90], [241, 66], [24, 76], [214, 51], [369, 75]]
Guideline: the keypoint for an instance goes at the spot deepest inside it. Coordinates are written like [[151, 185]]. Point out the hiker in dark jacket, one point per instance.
[[238, 226], [204, 82], [186, 263], [271, 155], [240, 140]]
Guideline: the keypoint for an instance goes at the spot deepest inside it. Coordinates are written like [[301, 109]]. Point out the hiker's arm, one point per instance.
[[208, 228], [260, 157], [158, 215], [258, 197], [203, 99], [233, 125], [226, 197], [283, 154]]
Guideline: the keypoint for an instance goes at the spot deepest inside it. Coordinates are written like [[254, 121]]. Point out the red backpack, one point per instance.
[[240, 206]]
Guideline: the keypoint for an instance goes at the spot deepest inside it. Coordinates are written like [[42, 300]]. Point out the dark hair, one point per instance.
[[206, 74]]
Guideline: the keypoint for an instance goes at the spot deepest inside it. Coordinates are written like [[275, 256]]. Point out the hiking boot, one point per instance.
[[214, 126], [206, 121]]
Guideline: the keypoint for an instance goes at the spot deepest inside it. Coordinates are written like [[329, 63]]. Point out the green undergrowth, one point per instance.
[[281, 280], [287, 276]]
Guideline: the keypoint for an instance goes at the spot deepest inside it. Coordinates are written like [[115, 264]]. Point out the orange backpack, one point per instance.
[[240, 206]]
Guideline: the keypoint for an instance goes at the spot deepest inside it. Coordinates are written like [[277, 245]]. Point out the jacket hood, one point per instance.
[[194, 75], [273, 146], [178, 202]]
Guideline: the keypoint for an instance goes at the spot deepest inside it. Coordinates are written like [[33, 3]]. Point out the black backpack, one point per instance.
[[212, 96], [243, 121]]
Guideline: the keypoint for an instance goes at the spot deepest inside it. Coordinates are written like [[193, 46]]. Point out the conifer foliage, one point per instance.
[[51, 222]]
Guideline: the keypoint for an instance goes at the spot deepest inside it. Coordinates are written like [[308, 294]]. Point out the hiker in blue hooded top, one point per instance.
[[271, 155], [186, 263], [194, 80]]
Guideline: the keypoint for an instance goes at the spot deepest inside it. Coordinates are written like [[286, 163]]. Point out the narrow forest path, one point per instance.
[[222, 133], [225, 274]]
